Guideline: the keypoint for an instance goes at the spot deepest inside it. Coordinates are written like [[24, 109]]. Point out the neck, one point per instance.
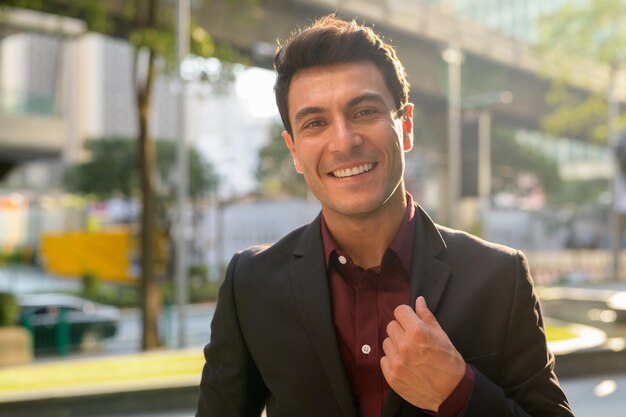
[[366, 238]]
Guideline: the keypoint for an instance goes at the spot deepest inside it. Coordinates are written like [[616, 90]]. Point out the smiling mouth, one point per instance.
[[350, 172]]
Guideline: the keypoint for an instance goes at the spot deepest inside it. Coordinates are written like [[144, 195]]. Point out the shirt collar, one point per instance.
[[402, 243]]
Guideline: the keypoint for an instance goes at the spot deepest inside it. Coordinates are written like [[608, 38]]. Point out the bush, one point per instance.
[[204, 292], [91, 285], [118, 295], [9, 310], [199, 272], [18, 256]]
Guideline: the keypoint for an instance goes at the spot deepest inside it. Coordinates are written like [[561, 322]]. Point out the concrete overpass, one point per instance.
[[493, 62], [496, 69], [36, 126]]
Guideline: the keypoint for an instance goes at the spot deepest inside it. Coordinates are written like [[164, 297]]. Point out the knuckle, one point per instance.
[[415, 334], [401, 309], [404, 349], [387, 345]]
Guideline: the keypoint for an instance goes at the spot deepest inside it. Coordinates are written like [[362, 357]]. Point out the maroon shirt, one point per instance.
[[363, 302]]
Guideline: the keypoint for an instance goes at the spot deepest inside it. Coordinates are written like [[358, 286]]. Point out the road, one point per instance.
[[128, 337], [197, 318], [591, 313], [596, 396], [590, 397]]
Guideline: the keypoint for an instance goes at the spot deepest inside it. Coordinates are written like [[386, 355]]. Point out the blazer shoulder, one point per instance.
[[460, 240], [270, 253]]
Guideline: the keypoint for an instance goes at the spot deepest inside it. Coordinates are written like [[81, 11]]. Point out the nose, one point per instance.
[[344, 137]]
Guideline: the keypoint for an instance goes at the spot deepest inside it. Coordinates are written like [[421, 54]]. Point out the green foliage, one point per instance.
[[579, 192], [128, 20], [94, 13], [199, 292], [509, 160], [594, 30], [9, 310], [17, 256], [199, 272], [275, 171], [204, 292], [112, 170], [159, 41], [91, 285], [122, 296], [574, 116], [582, 44]]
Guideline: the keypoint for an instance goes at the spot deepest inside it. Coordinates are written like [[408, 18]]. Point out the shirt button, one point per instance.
[[366, 349], [342, 260]]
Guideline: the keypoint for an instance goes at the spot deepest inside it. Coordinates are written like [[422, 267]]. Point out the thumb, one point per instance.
[[422, 311]]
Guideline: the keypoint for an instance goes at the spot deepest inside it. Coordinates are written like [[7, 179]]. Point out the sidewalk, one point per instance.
[[168, 380], [604, 301], [147, 381]]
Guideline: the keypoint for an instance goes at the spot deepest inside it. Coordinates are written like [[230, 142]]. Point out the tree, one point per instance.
[[510, 160], [148, 26], [111, 171], [582, 43], [275, 171]]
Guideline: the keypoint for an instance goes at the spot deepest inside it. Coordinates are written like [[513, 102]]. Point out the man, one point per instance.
[[372, 309]]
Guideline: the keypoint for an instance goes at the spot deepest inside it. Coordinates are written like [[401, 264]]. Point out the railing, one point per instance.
[[18, 102]]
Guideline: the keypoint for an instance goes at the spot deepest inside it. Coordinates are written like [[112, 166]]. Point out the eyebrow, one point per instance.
[[353, 102], [367, 97], [306, 111]]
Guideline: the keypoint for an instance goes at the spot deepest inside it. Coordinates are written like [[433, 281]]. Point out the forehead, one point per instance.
[[325, 86]]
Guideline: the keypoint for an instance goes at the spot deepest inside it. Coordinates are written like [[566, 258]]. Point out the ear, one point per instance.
[[292, 148], [407, 127]]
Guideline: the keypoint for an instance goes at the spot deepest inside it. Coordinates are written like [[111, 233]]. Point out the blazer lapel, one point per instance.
[[308, 276], [429, 277]]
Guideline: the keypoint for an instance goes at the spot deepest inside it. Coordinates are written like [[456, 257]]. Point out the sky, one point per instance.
[[230, 129], [255, 87]]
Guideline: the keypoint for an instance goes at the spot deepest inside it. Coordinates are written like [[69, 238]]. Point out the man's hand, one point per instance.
[[420, 364]]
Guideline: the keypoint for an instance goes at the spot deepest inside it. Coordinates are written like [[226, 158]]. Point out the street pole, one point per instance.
[[453, 56], [484, 158], [182, 224], [615, 223]]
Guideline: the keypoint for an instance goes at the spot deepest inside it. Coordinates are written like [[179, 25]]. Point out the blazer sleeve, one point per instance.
[[231, 385], [526, 382]]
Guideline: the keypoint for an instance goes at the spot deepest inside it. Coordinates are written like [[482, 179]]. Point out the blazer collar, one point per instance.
[[429, 277], [308, 277]]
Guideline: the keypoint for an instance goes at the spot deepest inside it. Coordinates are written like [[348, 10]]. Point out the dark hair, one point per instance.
[[330, 40]]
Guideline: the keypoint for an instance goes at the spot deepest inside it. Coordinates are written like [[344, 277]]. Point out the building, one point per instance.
[[65, 90], [516, 18]]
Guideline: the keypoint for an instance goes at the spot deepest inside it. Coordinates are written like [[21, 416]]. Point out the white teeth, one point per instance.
[[341, 173]]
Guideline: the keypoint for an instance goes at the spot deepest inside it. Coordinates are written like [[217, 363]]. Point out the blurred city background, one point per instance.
[[140, 149]]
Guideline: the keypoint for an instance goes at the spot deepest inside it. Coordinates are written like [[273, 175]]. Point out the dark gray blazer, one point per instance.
[[273, 342]]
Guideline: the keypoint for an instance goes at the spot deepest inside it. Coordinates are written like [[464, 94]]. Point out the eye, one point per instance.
[[313, 124], [366, 112]]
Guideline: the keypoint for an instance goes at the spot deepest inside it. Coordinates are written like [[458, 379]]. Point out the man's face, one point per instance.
[[348, 139]]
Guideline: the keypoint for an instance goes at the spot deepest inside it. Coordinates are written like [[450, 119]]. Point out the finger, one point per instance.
[[394, 330], [406, 317], [423, 313], [385, 366], [389, 347]]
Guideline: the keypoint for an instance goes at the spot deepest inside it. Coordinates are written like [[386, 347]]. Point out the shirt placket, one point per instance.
[[367, 350]]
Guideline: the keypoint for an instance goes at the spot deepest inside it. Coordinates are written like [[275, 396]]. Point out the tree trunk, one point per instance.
[[150, 297]]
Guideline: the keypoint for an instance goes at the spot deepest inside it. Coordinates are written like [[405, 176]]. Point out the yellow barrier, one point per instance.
[[107, 254]]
